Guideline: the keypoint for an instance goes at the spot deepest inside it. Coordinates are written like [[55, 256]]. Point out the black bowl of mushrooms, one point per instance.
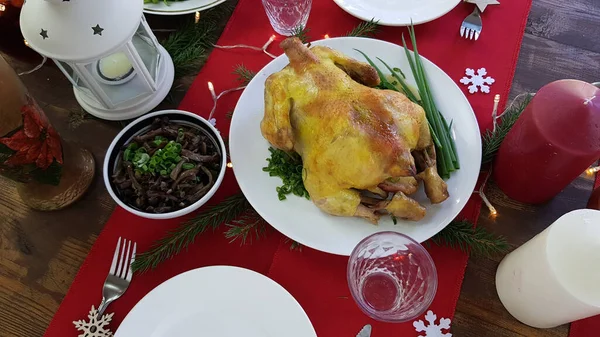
[[165, 164]]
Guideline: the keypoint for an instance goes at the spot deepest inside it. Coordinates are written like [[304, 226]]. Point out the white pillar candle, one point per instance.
[[554, 278], [115, 66]]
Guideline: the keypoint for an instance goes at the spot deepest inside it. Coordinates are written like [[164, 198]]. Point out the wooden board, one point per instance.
[[40, 253]]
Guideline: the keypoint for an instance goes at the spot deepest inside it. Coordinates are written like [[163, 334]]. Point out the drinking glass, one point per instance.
[[391, 277], [287, 15]]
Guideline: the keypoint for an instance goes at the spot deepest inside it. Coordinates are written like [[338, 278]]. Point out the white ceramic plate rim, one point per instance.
[[401, 19], [154, 9], [301, 220], [197, 282], [183, 211]]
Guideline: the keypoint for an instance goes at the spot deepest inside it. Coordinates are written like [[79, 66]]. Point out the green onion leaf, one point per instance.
[[189, 166]]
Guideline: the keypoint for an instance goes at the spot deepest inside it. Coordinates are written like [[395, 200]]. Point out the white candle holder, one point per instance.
[[106, 49], [554, 278]]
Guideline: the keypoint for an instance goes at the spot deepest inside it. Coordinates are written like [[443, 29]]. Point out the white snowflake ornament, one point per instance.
[[478, 80], [433, 330], [94, 327]]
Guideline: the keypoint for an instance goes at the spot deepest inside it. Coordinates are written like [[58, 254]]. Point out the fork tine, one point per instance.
[[471, 31], [476, 35], [124, 260], [120, 262], [130, 272], [113, 266], [462, 31]]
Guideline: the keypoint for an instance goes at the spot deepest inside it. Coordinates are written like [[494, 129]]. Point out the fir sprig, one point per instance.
[[301, 33], [294, 245], [474, 240], [244, 75], [493, 139], [190, 45], [247, 227], [365, 29], [184, 235]]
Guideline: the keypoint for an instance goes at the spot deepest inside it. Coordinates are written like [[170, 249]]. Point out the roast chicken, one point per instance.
[[364, 149]]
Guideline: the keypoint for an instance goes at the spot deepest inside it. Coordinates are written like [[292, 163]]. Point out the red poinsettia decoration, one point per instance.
[[37, 142]]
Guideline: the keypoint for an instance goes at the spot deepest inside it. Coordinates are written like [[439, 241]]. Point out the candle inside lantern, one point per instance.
[[553, 278], [556, 138], [115, 66]]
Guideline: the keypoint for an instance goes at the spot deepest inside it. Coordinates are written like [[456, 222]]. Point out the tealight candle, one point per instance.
[[115, 66], [554, 278]]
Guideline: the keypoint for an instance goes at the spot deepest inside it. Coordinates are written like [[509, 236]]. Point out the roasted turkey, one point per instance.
[[364, 149]]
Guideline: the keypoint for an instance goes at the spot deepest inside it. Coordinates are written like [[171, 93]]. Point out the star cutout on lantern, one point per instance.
[[98, 30], [482, 4], [44, 34]]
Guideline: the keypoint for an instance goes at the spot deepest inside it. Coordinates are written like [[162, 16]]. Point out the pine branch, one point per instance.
[[190, 45], [493, 140], [301, 33], [365, 29], [229, 114], [294, 245], [244, 75], [474, 240], [246, 227], [181, 237]]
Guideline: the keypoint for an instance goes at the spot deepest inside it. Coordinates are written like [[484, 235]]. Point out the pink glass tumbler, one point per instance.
[[392, 277]]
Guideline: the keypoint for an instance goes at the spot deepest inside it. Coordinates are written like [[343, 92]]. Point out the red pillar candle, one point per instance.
[[555, 139]]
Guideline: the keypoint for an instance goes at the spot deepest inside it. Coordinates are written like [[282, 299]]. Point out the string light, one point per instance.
[[211, 88], [230, 165], [495, 112], [326, 36], [486, 201], [2, 7], [197, 17], [216, 97], [38, 67], [592, 170], [263, 48], [26, 43]]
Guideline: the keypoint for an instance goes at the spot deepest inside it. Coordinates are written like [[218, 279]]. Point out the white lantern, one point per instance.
[[106, 49]]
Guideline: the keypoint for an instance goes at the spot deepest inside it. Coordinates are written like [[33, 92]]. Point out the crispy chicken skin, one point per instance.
[[351, 136]]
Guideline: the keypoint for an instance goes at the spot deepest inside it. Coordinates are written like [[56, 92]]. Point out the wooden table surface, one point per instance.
[[40, 253]]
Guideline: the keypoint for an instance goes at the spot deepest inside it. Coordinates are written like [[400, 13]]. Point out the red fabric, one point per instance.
[[316, 279]]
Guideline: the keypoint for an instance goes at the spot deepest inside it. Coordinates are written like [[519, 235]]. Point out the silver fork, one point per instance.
[[472, 25], [120, 275]]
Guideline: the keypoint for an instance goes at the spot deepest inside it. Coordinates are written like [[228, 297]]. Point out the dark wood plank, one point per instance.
[[573, 23], [560, 42], [542, 61]]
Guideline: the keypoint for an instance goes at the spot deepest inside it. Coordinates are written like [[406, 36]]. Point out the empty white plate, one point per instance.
[[218, 301], [397, 12]]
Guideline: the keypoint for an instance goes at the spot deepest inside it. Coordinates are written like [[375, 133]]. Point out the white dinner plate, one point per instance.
[[218, 301], [180, 7], [298, 218], [397, 12]]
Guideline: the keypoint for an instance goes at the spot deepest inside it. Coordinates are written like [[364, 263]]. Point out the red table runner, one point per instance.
[[317, 280]]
